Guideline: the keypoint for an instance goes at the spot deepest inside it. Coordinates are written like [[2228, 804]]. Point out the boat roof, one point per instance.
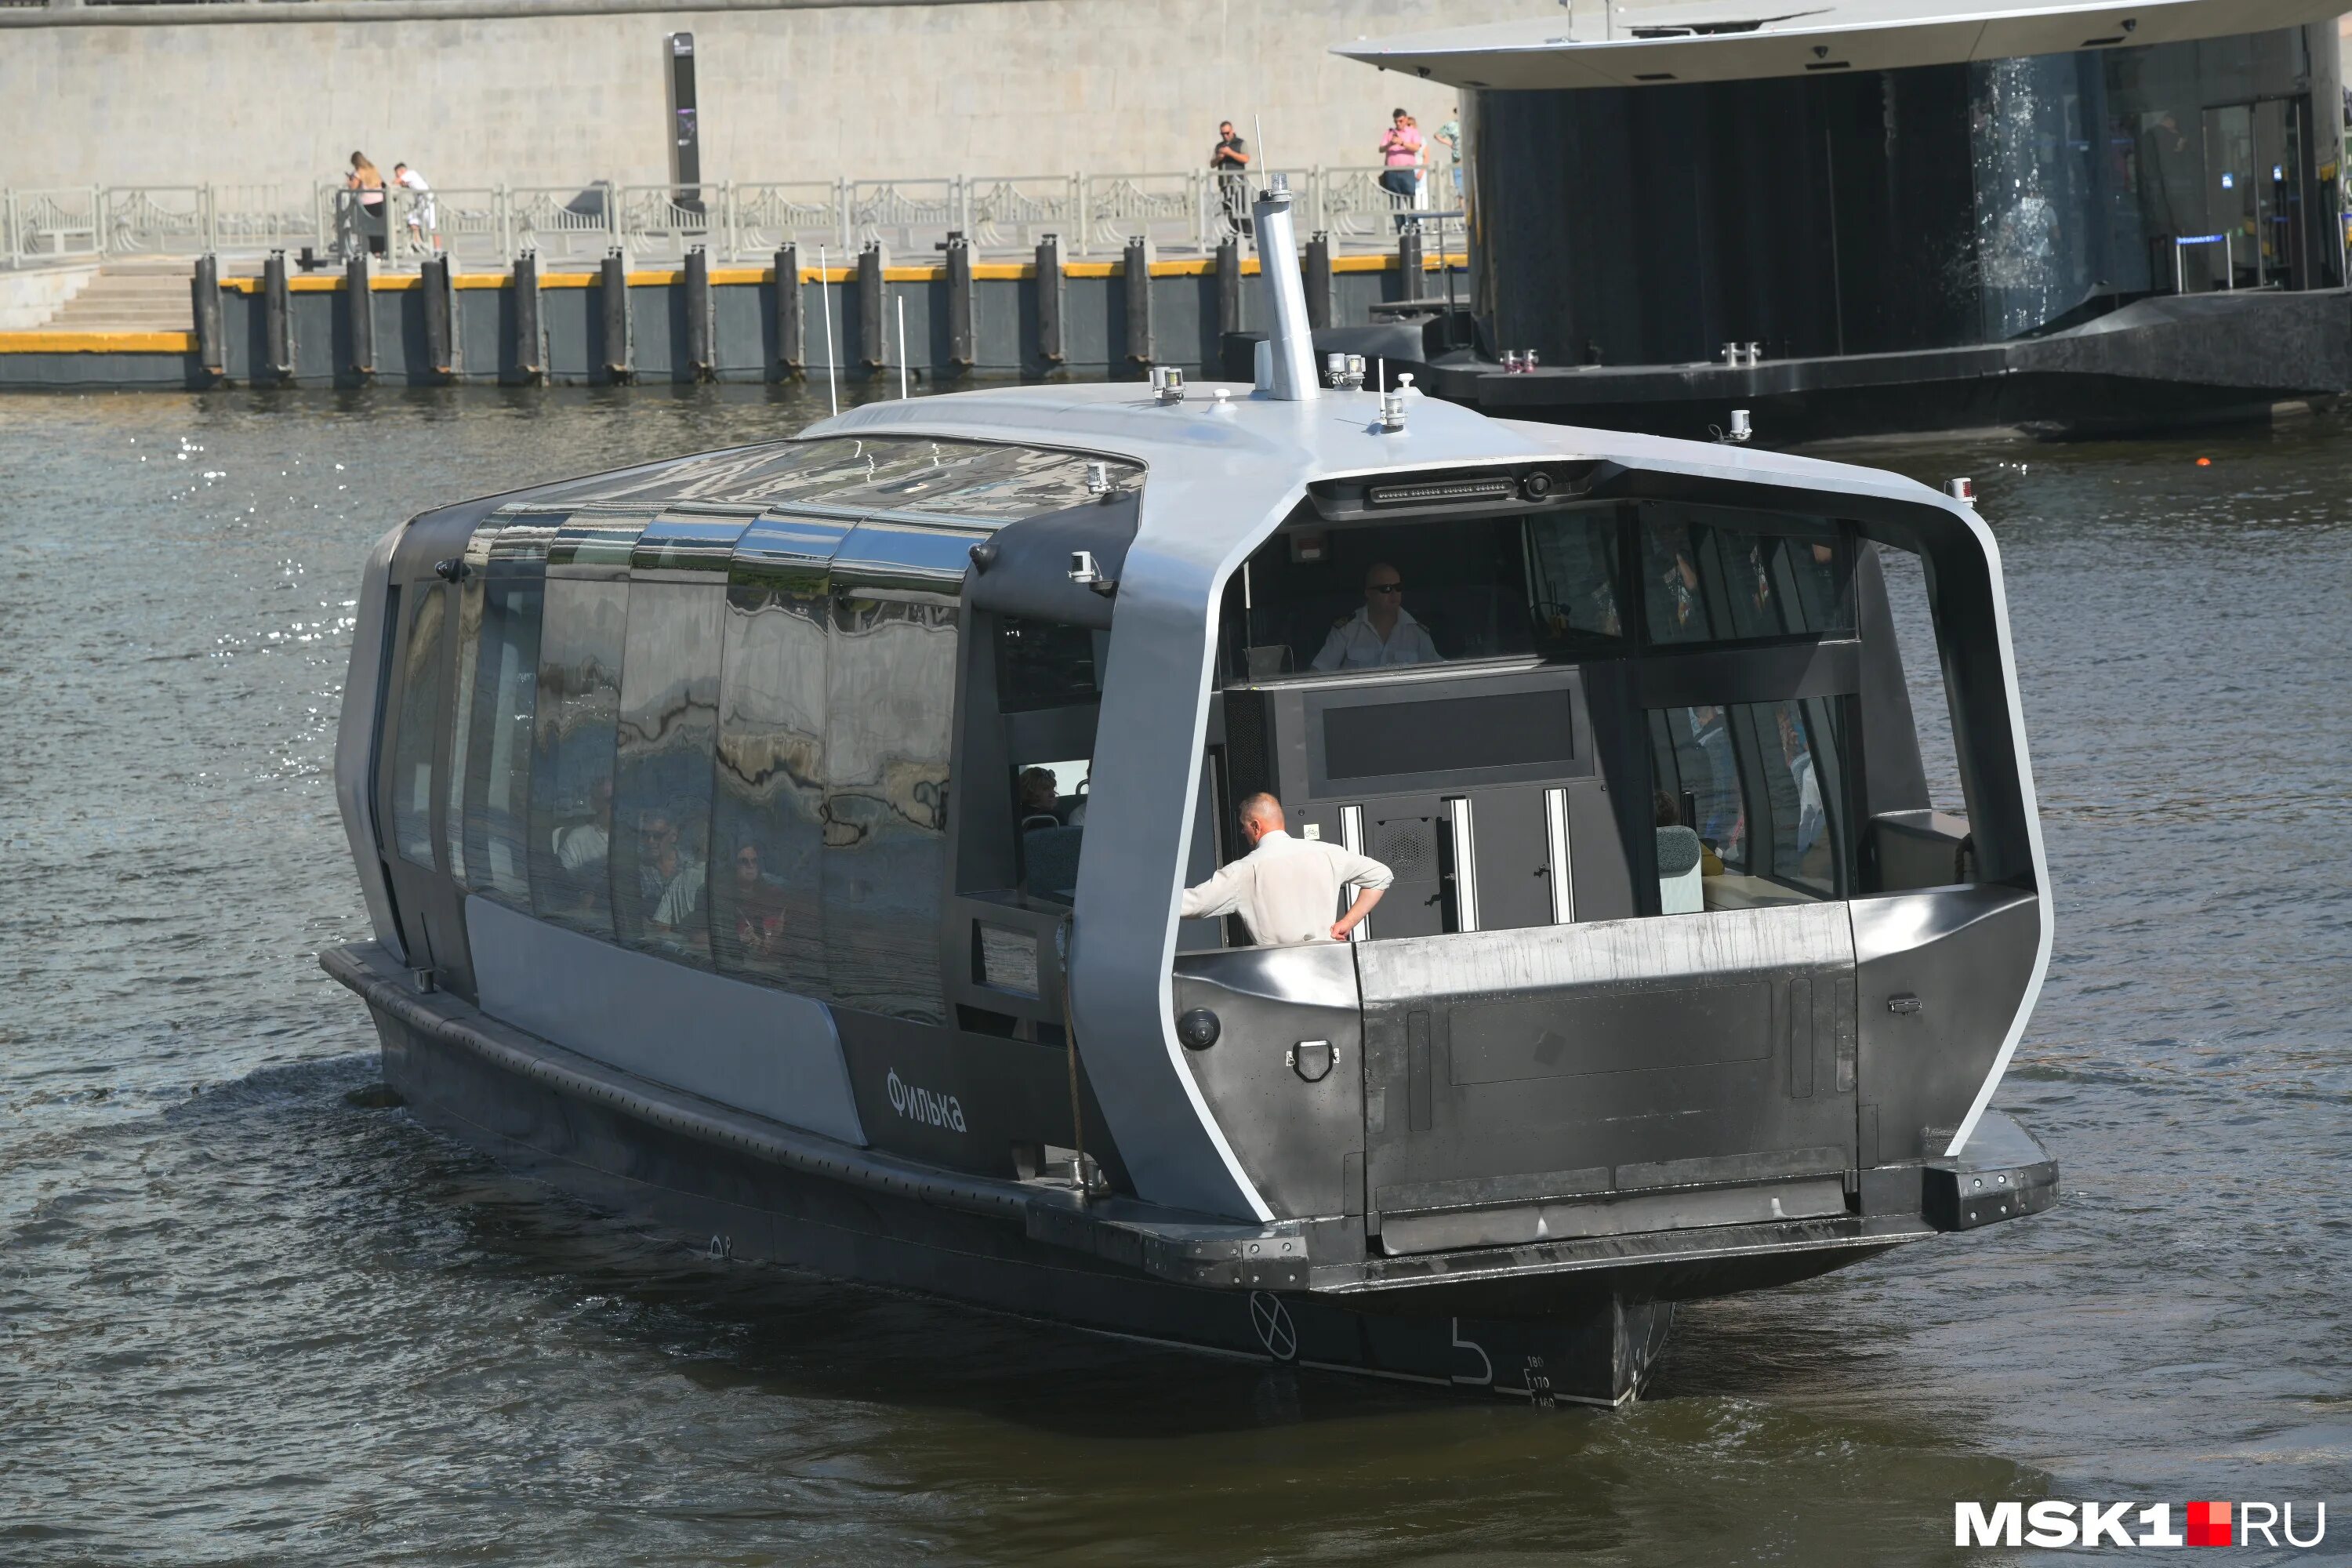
[[1740, 40], [1251, 443]]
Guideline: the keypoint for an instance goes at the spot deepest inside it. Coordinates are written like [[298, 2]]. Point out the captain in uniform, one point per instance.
[[1382, 633]]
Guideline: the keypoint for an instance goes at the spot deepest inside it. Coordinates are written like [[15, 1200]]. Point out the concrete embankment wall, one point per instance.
[[1102, 331], [127, 95]]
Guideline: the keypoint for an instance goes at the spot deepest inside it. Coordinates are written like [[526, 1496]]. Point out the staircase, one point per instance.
[[138, 294]]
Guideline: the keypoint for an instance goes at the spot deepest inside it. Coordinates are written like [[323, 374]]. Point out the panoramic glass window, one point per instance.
[[581, 643], [413, 744], [1329, 601], [1749, 804], [1050, 801], [498, 777], [662, 779], [1715, 576], [768, 826], [889, 710]]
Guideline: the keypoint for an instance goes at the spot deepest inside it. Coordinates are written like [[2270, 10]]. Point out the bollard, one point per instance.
[[792, 320], [1318, 281], [701, 361], [1409, 263], [1229, 285], [873, 335], [443, 354], [1135, 279], [960, 320], [1052, 348], [620, 358], [277, 317], [529, 323], [204, 287], [359, 310]]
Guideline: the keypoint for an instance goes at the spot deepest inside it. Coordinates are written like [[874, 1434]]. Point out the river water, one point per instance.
[[246, 1317]]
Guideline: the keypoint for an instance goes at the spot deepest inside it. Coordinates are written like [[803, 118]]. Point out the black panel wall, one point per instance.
[[1814, 216]]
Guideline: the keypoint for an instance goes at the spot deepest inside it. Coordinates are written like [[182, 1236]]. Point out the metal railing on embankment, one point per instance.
[[1180, 212]]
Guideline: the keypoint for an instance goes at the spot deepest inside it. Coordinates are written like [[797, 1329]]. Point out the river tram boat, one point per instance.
[[787, 844]]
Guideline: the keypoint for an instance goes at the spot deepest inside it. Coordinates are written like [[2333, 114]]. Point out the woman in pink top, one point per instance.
[[1401, 151]]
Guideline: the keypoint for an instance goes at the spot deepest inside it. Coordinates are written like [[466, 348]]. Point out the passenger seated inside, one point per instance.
[[759, 905], [1382, 632], [1287, 889], [669, 886], [1040, 799], [1052, 826], [580, 847]]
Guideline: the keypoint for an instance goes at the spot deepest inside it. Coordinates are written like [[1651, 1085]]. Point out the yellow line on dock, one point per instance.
[[97, 342]]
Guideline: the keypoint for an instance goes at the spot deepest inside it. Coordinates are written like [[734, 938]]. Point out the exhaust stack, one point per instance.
[[1286, 362]]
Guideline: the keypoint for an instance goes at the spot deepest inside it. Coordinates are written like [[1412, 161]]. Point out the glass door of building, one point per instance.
[[2253, 160]]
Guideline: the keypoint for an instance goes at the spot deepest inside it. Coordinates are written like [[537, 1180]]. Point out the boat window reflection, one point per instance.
[[1759, 786], [497, 779], [661, 789], [571, 752], [461, 721], [1044, 664], [889, 712], [1709, 576], [768, 808], [413, 744]]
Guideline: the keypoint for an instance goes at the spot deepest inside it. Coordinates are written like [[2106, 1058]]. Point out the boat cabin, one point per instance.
[[831, 779]]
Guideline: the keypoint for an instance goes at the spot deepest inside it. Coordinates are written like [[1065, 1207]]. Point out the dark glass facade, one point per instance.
[[1931, 207]]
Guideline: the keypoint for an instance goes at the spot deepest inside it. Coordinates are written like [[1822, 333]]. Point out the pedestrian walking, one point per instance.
[[1401, 150], [1230, 159]]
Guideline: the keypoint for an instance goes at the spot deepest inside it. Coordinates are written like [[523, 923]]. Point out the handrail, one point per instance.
[[1172, 210]]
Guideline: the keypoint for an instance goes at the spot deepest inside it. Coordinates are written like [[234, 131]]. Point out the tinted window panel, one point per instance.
[[661, 791], [1707, 578], [889, 705], [497, 781], [1762, 785], [413, 744], [1043, 664], [766, 919], [461, 721], [572, 727], [1572, 575]]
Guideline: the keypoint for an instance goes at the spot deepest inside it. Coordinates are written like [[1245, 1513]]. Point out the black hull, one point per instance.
[[2172, 363], [734, 1202]]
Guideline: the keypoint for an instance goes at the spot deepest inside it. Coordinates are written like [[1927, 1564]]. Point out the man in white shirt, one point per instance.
[[1287, 888], [1381, 633], [424, 223]]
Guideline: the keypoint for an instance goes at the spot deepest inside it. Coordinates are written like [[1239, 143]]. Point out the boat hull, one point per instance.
[[733, 1203]]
